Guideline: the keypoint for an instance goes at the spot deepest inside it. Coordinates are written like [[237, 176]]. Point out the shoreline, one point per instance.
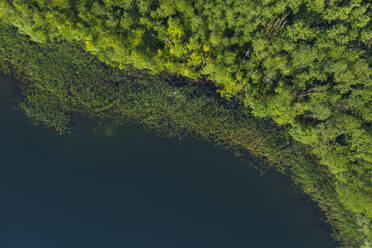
[[191, 110]]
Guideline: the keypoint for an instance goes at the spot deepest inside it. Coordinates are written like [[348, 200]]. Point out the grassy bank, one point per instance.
[[60, 79]]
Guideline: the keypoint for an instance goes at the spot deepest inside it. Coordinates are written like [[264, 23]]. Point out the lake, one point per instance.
[[125, 187]]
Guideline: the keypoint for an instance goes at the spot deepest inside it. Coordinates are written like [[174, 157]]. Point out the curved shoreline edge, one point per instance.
[[62, 78]]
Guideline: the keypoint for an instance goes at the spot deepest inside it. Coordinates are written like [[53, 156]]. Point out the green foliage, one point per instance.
[[42, 108], [61, 79], [304, 64]]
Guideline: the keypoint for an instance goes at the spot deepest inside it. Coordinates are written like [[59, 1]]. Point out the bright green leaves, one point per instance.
[[305, 64], [304, 134], [355, 199], [315, 5], [300, 31]]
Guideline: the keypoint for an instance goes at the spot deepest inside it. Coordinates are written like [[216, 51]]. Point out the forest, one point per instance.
[[305, 65]]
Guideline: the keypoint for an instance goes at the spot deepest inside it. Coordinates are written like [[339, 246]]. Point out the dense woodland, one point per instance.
[[60, 80], [304, 64]]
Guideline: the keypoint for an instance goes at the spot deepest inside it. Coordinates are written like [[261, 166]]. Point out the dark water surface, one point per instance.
[[127, 188]]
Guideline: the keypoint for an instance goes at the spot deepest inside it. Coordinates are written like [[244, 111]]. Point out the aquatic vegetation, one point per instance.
[[109, 131], [304, 64]]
